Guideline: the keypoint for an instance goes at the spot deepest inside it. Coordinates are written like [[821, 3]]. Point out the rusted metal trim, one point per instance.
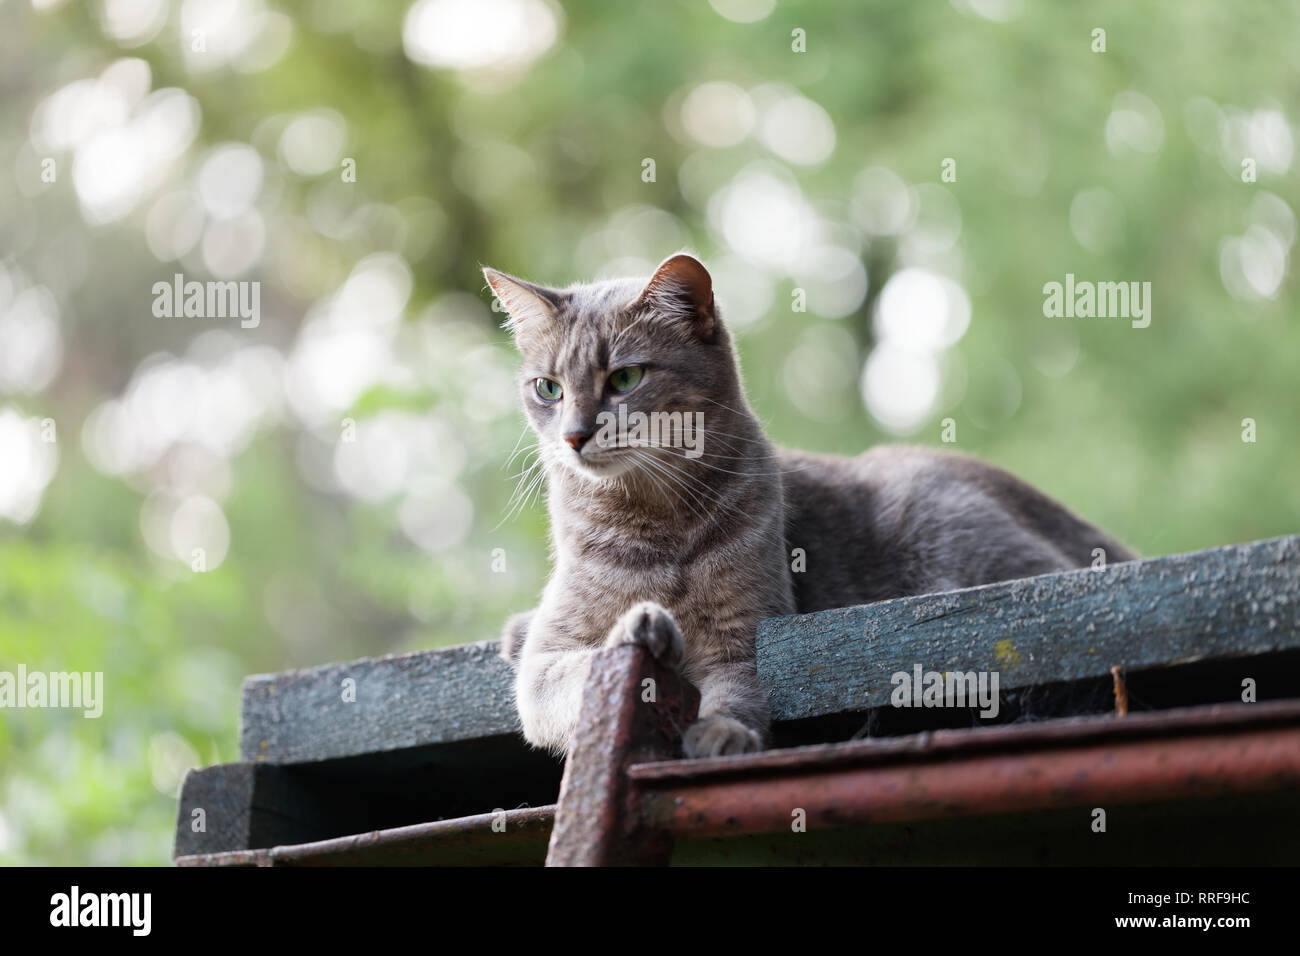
[[633, 710], [1121, 771], [1121, 691], [530, 822], [1054, 734], [231, 858]]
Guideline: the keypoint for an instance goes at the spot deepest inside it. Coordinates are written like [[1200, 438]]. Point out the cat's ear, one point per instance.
[[528, 305], [682, 288]]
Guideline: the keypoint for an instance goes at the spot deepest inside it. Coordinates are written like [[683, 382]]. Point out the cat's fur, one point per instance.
[[685, 555]]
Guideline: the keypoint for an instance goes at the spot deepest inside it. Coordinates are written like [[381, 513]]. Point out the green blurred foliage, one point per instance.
[[1142, 434]]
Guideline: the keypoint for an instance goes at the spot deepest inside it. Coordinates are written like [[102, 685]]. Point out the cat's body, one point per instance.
[[684, 550], [898, 520]]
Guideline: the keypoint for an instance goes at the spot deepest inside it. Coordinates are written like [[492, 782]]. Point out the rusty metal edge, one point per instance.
[[1099, 774], [596, 820], [931, 745], [535, 822]]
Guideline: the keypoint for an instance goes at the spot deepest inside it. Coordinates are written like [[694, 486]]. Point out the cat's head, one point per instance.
[[619, 351]]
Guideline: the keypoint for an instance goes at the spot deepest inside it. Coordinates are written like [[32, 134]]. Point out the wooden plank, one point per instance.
[[1216, 604], [400, 701], [216, 809], [243, 806], [252, 806]]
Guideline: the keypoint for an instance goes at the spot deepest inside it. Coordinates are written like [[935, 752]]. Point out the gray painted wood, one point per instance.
[[402, 701], [247, 806], [1222, 603], [241, 806], [216, 809]]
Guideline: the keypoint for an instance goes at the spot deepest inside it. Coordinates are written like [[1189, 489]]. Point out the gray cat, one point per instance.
[[681, 539]]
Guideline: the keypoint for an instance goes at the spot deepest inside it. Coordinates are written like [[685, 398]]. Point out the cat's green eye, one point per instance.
[[626, 379], [549, 391]]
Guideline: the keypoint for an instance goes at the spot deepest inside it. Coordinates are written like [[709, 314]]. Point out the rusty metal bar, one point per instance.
[[503, 837], [930, 745], [761, 794], [633, 710]]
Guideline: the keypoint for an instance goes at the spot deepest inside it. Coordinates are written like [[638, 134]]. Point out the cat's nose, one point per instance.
[[577, 439]]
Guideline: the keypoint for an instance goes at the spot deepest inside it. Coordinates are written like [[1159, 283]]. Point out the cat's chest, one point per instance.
[[597, 591], [703, 572], [591, 597]]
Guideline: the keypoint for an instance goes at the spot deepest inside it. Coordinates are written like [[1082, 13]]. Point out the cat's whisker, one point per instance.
[[713, 431], [675, 479], [519, 475], [515, 506], [673, 446], [710, 494], [704, 433], [514, 453], [774, 535], [660, 484], [710, 437], [653, 466], [734, 411], [680, 452], [527, 482], [539, 488], [663, 481], [527, 466], [714, 454], [745, 474]]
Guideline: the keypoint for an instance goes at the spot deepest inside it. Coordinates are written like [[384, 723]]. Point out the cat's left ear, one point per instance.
[[528, 305], [682, 288]]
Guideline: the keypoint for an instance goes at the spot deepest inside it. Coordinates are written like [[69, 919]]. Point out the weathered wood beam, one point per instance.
[[377, 704], [250, 806], [241, 806], [1220, 604]]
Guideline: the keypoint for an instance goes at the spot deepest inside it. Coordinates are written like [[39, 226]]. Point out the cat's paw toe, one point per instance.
[[652, 627], [719, 736]]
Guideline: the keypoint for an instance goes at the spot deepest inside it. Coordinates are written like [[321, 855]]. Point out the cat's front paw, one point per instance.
[[653, 628], [720, 736]]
